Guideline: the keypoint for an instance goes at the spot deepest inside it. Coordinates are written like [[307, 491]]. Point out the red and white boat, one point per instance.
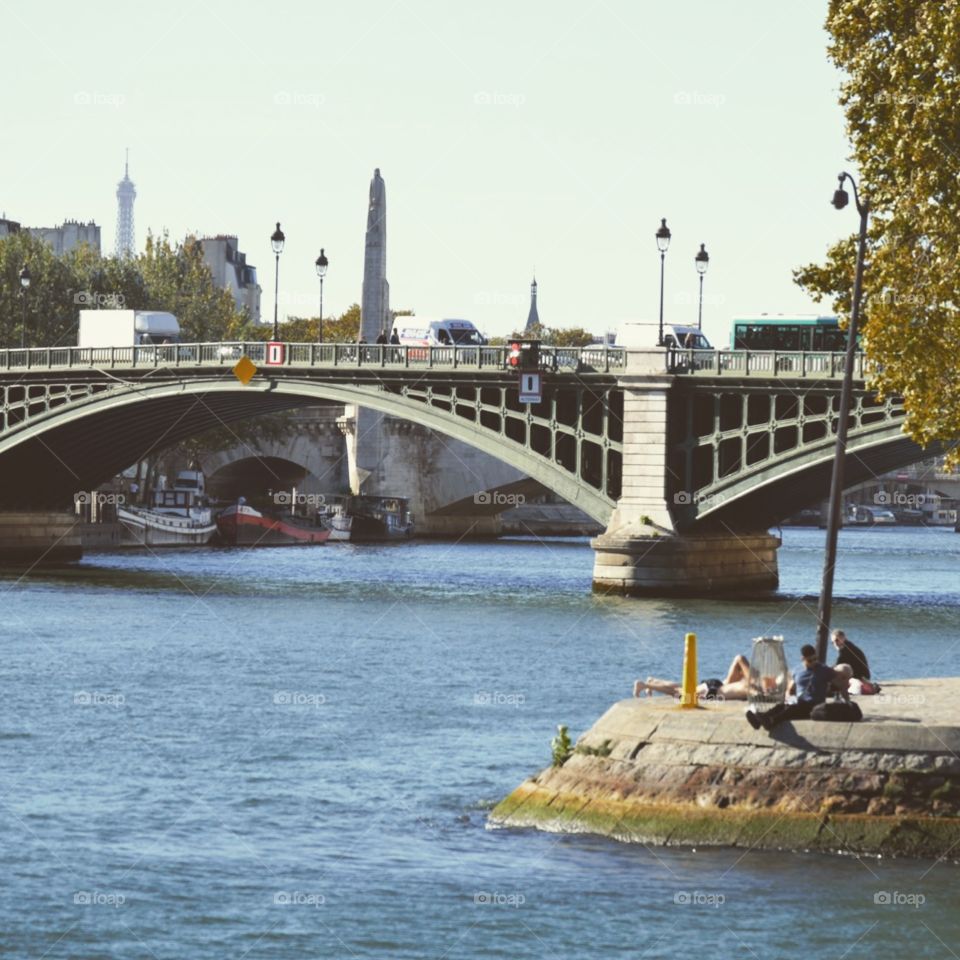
[[242, 526]]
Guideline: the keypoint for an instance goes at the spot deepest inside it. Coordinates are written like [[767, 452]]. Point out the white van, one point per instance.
[[421, 332], [643, 335]]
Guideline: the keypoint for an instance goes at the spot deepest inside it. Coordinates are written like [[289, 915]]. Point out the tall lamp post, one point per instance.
[[24, 276], [321, 264], [701, 260], [663, 241], [840, 200], [276, 241]]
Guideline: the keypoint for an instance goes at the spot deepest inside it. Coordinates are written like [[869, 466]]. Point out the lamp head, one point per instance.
[[277, 239], [663, 236], [24, 276], [321, 264], [840, 196], [702, 259]]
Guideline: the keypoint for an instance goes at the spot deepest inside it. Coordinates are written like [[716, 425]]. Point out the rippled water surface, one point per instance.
[[291, 753]]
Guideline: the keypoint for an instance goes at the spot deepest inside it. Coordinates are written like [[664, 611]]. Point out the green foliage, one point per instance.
[[172, 277], [177, 279], [552, 336], [166, 276], [342, 329], [561, 746], [901, 97], [51, 314]]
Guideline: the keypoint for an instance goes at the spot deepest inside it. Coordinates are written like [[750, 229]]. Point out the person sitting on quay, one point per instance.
[[849, 652], [733, 687], [812, 683]]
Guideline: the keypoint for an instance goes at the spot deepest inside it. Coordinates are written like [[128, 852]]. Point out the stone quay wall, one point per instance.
[[651, 773], [35, 536]]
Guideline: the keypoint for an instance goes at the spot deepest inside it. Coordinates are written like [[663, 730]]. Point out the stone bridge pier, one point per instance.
[[642, 552]]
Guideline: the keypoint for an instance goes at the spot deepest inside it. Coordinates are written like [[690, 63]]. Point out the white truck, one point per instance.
[[127, 328]]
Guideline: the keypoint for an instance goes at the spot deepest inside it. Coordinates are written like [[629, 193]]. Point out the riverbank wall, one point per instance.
[[31, 537], [649, 772]]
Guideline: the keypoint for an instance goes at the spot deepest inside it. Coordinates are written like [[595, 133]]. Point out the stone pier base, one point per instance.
[[734, 565], [33, 537]]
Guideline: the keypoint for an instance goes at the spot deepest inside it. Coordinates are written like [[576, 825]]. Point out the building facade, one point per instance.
[[68, 236], [230, 271]]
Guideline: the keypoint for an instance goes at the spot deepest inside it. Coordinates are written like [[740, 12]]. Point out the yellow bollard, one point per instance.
[[688, 682]]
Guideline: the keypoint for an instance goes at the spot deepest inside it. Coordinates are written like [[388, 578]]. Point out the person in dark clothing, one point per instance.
[[381, 337], [849, 652], [812, 681], [395, 337]]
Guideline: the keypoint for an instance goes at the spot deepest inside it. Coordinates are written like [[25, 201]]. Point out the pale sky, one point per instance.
[[512, 136]]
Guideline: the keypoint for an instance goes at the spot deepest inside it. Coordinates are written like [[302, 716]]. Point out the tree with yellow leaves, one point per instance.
[[901, 96]]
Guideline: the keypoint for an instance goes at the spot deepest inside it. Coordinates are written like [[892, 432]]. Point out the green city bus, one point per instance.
[[786, 333]]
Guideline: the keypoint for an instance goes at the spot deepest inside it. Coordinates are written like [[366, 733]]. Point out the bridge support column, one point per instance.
[[721, 565], [641, 553], [33, 537]]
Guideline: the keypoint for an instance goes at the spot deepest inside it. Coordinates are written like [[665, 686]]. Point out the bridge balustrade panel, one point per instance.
[[721, 439]]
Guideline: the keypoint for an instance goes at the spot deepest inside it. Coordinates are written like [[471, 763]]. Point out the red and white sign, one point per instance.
[[275, 353], [531, 388]]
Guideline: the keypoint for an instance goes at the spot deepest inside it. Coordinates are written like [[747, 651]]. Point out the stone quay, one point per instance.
[[650, 772]]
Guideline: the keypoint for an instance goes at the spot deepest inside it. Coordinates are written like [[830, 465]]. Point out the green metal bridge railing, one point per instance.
[[768, 363], [325, 355], [678, 362]]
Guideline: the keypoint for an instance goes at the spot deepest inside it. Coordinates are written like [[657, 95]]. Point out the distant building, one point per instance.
[[8, 226], [231, 272], [68, 236], [533, 318], [126, 194]]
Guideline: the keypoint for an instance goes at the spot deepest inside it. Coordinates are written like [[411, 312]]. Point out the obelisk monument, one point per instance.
[[364, 429], [375, 302]]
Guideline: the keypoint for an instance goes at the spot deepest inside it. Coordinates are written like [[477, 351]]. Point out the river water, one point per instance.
[[291, 753]]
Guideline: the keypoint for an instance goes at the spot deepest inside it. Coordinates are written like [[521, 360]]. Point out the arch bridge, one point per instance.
[[685, 447]]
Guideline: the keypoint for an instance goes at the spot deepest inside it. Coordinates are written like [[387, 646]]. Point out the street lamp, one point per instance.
[[840, 200], [701, 260], [663, 241], [276, 241], [321, 264], [24, 276]]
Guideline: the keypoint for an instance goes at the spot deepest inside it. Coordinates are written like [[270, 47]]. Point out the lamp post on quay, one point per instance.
[[321, 264], [24, 276], [663, 242], [276, 241], [840, 200], [701, 260]]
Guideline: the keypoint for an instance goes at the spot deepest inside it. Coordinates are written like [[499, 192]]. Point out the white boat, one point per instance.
[[176, 517], [336, 519]]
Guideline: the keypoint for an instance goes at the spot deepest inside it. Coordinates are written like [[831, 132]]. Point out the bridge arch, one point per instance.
[[45, 459]]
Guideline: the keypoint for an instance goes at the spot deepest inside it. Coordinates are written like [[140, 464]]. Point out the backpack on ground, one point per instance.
[[839, 711]]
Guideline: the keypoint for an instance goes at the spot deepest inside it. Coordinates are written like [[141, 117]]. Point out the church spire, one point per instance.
[[533, 318]]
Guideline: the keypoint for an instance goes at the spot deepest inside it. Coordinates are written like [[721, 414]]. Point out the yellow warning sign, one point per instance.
[[245, 370]]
